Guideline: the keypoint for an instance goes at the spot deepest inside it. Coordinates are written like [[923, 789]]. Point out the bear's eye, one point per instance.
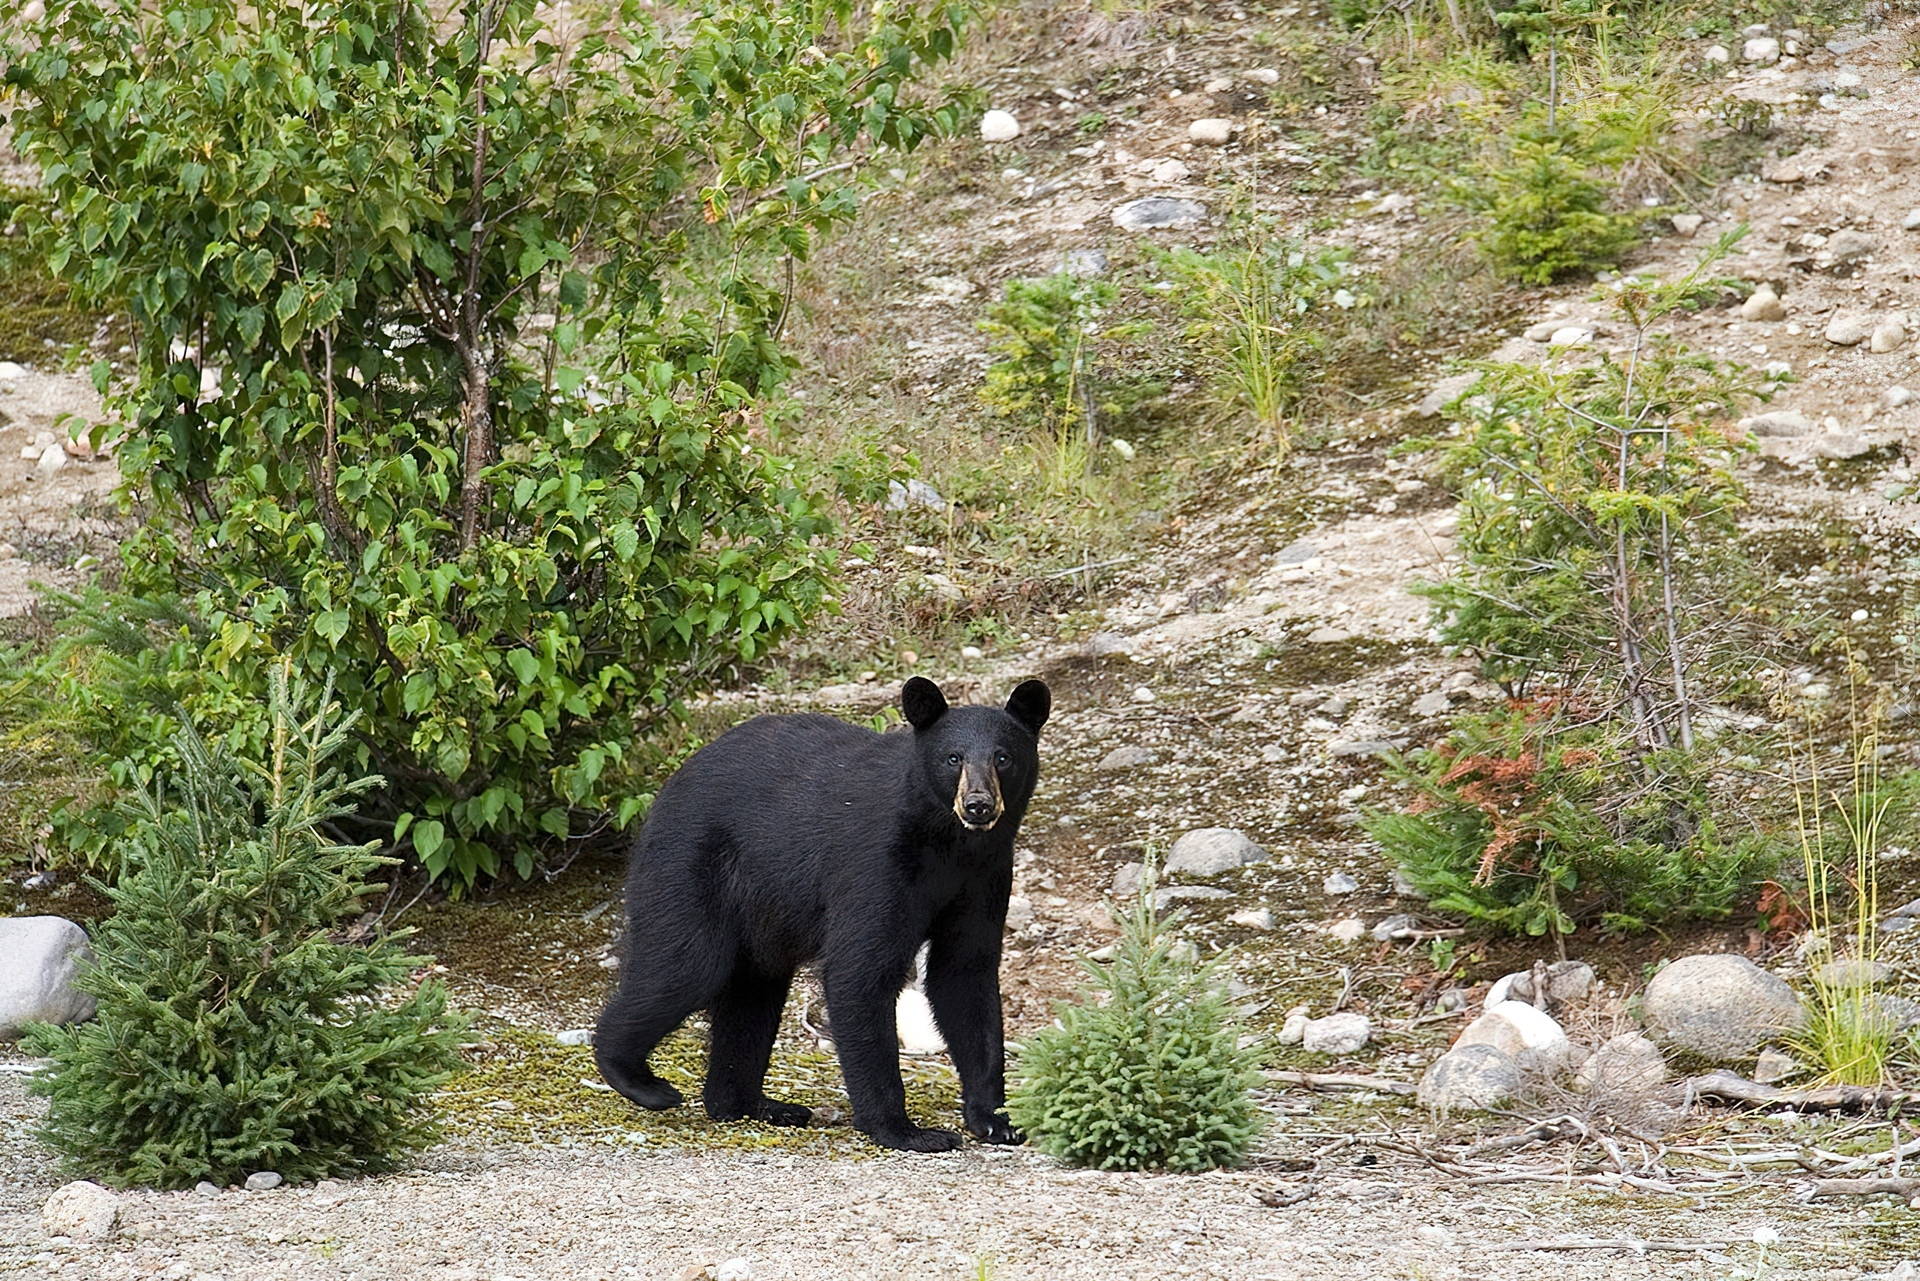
[[953, 758], [1001, 759]]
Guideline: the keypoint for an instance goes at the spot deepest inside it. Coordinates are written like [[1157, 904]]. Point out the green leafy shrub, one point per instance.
[[1601, 582], [450, 333], [1548, 214], [1253, 307], [1145, 1070], [1050, 338], [232, 1034]]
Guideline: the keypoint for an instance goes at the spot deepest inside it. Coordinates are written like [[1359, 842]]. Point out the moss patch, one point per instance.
[[36, 309], [525, 1088]]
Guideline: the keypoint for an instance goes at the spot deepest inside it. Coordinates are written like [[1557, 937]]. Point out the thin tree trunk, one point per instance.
[[476, 408], [1672, 612]]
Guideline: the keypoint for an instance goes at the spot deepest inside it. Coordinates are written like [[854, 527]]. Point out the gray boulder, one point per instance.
[[1625, 1064], [1719, 1006], [40, 956], [1211, 851], [1468, 1078], [1156, 212], [1126, 880]]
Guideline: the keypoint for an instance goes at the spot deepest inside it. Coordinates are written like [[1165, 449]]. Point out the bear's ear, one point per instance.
[[923, 702], [1030, 704]]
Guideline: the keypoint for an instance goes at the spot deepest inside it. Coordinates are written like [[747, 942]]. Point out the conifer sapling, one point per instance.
[[1145, 1070], [233, 1034]]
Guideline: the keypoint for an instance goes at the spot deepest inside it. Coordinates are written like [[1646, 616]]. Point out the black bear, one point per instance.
[[791, 838]]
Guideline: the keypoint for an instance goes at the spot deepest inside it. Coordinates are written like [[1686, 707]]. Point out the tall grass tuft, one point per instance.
[[1850, 1033]]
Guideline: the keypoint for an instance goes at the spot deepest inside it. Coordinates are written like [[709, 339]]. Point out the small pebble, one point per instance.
[[971, 652], [1350, 930], [1340, 883], [1142, 695]]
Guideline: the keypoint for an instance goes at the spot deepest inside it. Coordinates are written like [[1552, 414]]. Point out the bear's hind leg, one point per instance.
[[746, 1017], [655, 997]]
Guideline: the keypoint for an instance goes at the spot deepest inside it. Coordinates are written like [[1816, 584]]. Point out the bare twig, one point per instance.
[[1342, 1081], [1636, 1244]]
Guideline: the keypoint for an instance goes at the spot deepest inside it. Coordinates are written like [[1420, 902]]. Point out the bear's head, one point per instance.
[[985, 759]]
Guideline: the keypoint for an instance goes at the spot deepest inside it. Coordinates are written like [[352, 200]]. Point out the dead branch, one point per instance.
[[1905, 1189], [1342, 1081], [1635, 1244], [1731, 1087]]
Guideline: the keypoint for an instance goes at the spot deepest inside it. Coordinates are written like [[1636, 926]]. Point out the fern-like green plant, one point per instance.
[[233, 1034], [1145, 1070]]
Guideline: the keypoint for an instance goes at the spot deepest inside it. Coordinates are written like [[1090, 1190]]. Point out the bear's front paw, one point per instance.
[[913, 1138], [995, 1128]]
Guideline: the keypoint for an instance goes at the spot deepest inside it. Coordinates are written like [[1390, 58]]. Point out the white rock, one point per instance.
[[1761, 49], [1911, 222], [999, 126], [1542, 330], [1528, 1036], [1717, 53], [574, 1036], [913, 1018], [734, 1270], [1687, 224], [1019, 913], [1121, 758], [1570, 336], [204, 1188], [1294, 1030], [1780, 422], [1263, 76], [40, 957], [1340, 883], [1126, 880], [1211, 132], [30, 452], [1889, 335], [1434, 703], [9, 370], [1336, 1034], [1350, 930], [1895, 396], [1169, 173], [1566, 981], [1468, 1078], [972, 652], [52, 459], [1444, 393], [1720, 1006], [917, 492], [1848, 329], [263, 1181], [1253, 918], [83, 1211], [1763, 304], [1211, 851]]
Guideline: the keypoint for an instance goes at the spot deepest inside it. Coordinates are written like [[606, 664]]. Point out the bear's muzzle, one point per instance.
[[976, 802]]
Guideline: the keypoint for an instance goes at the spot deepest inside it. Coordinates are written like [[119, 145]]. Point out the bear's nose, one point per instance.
[[978, 807]]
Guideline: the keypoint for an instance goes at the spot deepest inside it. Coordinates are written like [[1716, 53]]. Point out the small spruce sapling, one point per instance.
[[233, 1034], [1145, 1070]]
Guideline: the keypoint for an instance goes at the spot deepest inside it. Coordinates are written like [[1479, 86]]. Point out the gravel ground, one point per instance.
[[472, 1212]]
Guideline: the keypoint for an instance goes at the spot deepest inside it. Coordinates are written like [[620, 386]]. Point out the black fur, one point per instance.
[[791, 838]]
